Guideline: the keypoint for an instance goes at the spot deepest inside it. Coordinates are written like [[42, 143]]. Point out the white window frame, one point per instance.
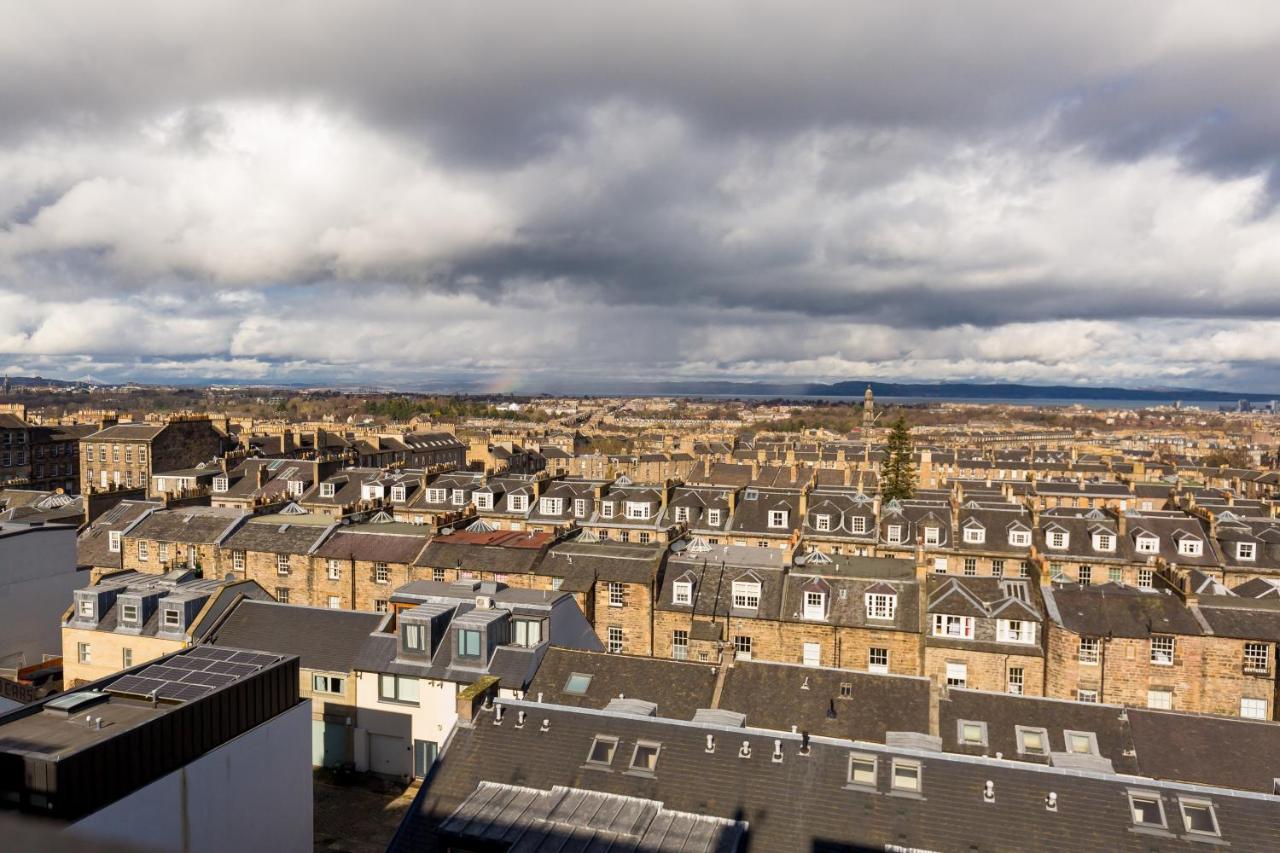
[[1159, 655], [484, 500], [1024, 632], [327, 490], [956, 674], [1090, 651], [893, 534], [334, 569], [1246, 551], [713, 517], [815, 605], [964, 625], [518, 503], [811, 654], [859, 524], [880, 667], [1208, 807], [220, 484], [777, 518], [1147, 797], [282, 565], [933, 535], [144, 551], [912, 770], [1057, 540], [682, 592], [606, 509], [1257, 658], [551, 506], [616, 639], [1020, 538], [881, 605], [975, 535], [1164, 703], [637, 510], [1147, 545], [1190, 547], [113, 541], [822, 523], [746, 595], [1015, 680], [397, 493], [579, 508], [1254, 708], [617, 594]]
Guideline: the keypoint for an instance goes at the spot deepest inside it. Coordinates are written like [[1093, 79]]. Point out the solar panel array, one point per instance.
[[201, 670]]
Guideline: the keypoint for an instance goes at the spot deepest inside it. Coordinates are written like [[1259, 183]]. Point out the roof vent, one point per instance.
[[711, 744], [1051, 801], [745, 751], [777, 752], [989, 792]]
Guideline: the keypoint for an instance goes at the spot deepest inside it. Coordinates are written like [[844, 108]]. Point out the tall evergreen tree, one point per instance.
[[899, 482]]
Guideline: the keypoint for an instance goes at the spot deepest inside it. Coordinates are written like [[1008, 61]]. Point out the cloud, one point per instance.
[[387, 192]]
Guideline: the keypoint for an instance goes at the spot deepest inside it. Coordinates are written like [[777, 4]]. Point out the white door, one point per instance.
[[390, 755], [812, 654]]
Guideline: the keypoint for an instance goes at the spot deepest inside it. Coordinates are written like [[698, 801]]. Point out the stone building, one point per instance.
[[126, 456]]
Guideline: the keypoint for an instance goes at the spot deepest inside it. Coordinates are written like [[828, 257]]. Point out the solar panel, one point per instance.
[[134, 685], [254, 659], [237, 669], [211, 652], [164, 673]]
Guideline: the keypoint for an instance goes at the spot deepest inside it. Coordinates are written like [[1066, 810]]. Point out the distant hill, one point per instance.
[[40, 381]]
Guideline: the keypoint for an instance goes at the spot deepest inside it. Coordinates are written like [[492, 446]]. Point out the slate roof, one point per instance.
[[1120, 611], [93, 542], [276, 537], [502, 551], [196, 524], [1235, 753], [324, 639], [678, 688], [365, 544], [802, 801], [608, 561]]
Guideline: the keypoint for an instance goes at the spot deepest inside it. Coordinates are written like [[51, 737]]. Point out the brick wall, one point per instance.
[[986, 670]]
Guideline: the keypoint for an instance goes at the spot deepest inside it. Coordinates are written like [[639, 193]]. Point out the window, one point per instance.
[[282, 564], [997, 568], [397, 492], [1020, 538], [742, 647], [459, 497], [680, 645], [970, 566], [713, 517], [1081, 743], [1104, 542], [1015, 631], [1147, 545], [162, 552], [1032, 741], [777, 518], [957, 674], [606, 510], [862, 770], [617, 594], [615, 640], [379, 605], [637, 510], [643, 537], [484, 500], [893, 534], [645, 757], [129, 614], [413, 638], [881, 605], [1253, 709], [811, 654], [580, 509], [528, 632], [113, 541], [746, 595], [335, 602], [437, 575], [952, 626], [940, 565], [932, 535], [219, 484], [906, 775], [142, 552], [1085, 575], [1147, 809], [551, 506], [1089, 650], [398, 688], [822, 523], [468, 643], [1257, 657], [859, 524], [975, 535], [1162, 649], [1115, 574], [1083, 695], [878, 660], [173, 618], [237, 561], [1160, 700], [331, 684], [381, 573], [815, 605], [1145, 576], [1058, 539], [86, 608], [1198, 816], [1015, 680], [1246, 550], [334, 570], [83, 653], [1024, 569], [326, 490], [517, 503], [602, 749], [577, 683], [282, 594], [1190, 547], [126, 658], [682, 592], [970, 733]]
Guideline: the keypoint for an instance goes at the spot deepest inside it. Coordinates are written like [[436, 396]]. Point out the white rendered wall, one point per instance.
[[37, 577], [251, 793], [431, 719]]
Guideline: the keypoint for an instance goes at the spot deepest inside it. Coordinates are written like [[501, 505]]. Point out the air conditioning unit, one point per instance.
[[484, 602]]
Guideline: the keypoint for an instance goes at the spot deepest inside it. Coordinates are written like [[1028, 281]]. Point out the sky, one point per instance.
[[513, 195]]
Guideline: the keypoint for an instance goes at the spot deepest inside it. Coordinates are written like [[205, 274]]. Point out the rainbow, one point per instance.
[[503, 383]]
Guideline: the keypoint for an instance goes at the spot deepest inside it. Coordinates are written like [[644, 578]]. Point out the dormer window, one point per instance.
[[713, 517], [822, 523], [893, 534], [975, 535], [859, 524], [86, 608], [777, 518], [1147, 545], [459, 497], [682, 513], [551, 506], [815, 605], [413, 638], [527, 633], [1058, 539], [468, 643], [682, 592], [932, 535], [129, 614], [1020, 538], [172, 620], [372, 491], [326, 490], [484, 500], [297, 487], [1190, 547], [1104, 542], [219, 484], [435, 496], [960, 627], [1246, 551], [746, 595], [518, 503], [580, 508], [606, 510], [113, 541], [637, 509], [881, 605], [397, 493], [1015, 631]]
